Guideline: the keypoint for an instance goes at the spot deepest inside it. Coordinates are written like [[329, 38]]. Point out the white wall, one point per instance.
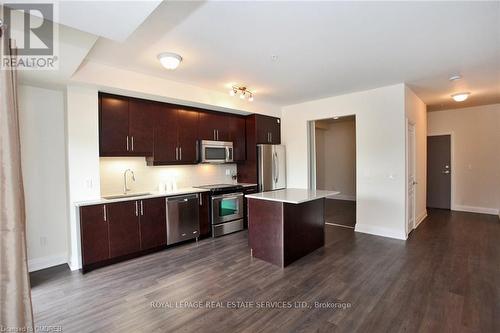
[[147, 178], [380, 156], [82, 126], [475, 156], [43, 154], [336, 157], [416, 112], [121, 81]]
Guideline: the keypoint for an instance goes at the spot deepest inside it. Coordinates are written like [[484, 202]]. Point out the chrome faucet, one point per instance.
[[125, 185]]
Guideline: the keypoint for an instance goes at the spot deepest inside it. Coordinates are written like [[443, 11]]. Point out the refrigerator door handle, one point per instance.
[[277, 167]]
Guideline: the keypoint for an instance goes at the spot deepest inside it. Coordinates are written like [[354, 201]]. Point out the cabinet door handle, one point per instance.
[[132, 140], [105, 215], [270, 135], [136, 209], [142, 209], [215, 137], [127, 143], [176, 153], [201, 199], [180, 153]]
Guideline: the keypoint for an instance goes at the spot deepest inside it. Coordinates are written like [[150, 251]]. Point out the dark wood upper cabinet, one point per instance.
[[165, 136], [123, 221], [94, 234], [125, 126], [175, 138], [237, 134], [267, 129], [113, 126], [141, 124], [152, 223], [187, 124], [213, 126]]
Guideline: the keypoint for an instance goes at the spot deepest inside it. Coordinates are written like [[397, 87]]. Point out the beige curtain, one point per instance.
[[15, 292]]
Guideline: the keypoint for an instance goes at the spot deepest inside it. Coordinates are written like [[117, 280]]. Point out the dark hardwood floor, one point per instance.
[[445, 278], [340, 212]]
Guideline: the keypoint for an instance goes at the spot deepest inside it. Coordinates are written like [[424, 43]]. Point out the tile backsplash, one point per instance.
[[148, 178]]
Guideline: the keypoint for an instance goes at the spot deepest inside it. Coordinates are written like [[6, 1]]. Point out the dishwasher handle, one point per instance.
[[182, 198]]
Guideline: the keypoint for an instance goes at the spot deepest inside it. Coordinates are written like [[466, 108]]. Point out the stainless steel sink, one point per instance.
[[128, 195]]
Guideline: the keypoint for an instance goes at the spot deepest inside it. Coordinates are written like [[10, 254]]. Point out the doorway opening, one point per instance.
[[439, 171], [333, 167]]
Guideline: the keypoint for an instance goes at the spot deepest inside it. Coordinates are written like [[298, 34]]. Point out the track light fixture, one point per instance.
[[242, 92]]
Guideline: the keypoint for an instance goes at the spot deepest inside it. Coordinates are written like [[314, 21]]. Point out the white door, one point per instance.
[[411, 179]]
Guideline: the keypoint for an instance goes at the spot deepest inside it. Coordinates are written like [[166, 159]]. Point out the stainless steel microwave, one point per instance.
[[216, 151]]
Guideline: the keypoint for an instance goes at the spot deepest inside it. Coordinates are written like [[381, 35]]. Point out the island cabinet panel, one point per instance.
[[213, 126], [205, 226], [113, 125], [141, 127], [303, 228], [152, 221], [237, 134], [265, 230], [123, 220], [94, 234]]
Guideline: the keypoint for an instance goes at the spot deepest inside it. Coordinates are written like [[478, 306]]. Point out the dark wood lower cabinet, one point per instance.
[[153, 223], [94, 234], [205, 227], [124, 237], [118, 231]]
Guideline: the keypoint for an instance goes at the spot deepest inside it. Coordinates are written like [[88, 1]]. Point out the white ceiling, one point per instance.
[[115, 20], [323, 48]]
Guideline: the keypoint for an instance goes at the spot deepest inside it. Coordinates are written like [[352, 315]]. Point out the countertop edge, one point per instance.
[[259, 197], [103, 201]]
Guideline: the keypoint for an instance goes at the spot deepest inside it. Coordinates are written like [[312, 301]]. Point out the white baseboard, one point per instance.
[[343, 197], [473, 209], [37, 264], [379, 231], [420, 218]]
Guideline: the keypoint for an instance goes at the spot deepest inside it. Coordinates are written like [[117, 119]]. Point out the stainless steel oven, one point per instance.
[[227, 207], [216, 151]]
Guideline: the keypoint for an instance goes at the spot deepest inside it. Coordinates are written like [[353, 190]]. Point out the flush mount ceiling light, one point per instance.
[[455, 77], [243, 92], [460, 97], [169, 60]]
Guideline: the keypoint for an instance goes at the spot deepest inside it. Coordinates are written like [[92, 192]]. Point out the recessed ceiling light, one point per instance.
[[455, 77], [169, 60], [460, 97]]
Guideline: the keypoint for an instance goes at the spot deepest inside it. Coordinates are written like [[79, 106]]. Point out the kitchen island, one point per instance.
[[285, 225]]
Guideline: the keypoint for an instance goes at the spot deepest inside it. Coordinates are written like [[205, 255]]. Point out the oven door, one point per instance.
[[227, 207]]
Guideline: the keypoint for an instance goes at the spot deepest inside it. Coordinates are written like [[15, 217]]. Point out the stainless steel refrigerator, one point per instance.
[[272, 167]]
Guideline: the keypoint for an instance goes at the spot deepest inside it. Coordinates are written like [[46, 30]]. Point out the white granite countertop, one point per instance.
[[151, 194], [292, 195]]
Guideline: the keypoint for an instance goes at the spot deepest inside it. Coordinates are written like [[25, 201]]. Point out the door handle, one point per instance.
[[136, 209], [105, 215], [270, 135], [127, 143], [176, 153], [215, 137], [132, 140], [446, 172], [180, 153], [142, 209]]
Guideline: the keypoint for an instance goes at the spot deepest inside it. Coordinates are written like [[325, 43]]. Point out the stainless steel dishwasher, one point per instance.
[[182, 218]]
